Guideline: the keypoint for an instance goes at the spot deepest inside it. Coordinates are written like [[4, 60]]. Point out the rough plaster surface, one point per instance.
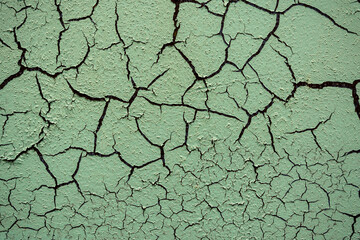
[[182, 119]]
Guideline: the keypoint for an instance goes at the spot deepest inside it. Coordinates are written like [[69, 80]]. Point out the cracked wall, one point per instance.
[[179, 119]]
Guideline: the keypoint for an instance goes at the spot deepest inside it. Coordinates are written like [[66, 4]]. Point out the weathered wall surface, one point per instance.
[[179, 119]]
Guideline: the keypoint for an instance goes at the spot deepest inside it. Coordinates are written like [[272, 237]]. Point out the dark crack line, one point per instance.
[[264, 86], [87, 16], [58, 9], [7, 116], [326, 84], [250, 116], [45, 120], [321, 13], [4, 43], [302, 5], [100, 122], [48, 171], [160, 147], [191, 107], [271, 136], [187, 128], [266, 39], [24, 68], [312, 130], [354, 217]]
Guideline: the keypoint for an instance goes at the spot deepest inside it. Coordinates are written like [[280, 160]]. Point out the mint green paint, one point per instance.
[[175, 119]]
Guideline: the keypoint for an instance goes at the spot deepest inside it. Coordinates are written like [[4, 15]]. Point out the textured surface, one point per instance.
[[182, 119]]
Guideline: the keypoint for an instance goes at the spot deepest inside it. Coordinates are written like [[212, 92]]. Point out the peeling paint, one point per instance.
[[179, 119]]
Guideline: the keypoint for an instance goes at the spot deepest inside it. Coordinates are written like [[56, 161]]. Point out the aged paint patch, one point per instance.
[[179, 119]]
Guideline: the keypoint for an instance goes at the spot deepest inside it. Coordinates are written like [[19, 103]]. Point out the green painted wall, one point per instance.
[[179, 119]]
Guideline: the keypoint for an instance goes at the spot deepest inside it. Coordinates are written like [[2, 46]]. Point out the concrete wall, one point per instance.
[[179, 119]]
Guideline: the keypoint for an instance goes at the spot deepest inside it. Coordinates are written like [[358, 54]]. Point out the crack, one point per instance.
[[250, 116], [266, 39], [4, 43], [191, 107], [200, 186], [45, 120], [7, 116], [87, 16], [301, 5], [64, 28], [47, 168], [351, 86], [24, 68], [101, 119], [160, 147], [351, 152], [286, 61], [175, 20], [321, 13], [271, 136], [187, 127], [354, 217], [312, 130]]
